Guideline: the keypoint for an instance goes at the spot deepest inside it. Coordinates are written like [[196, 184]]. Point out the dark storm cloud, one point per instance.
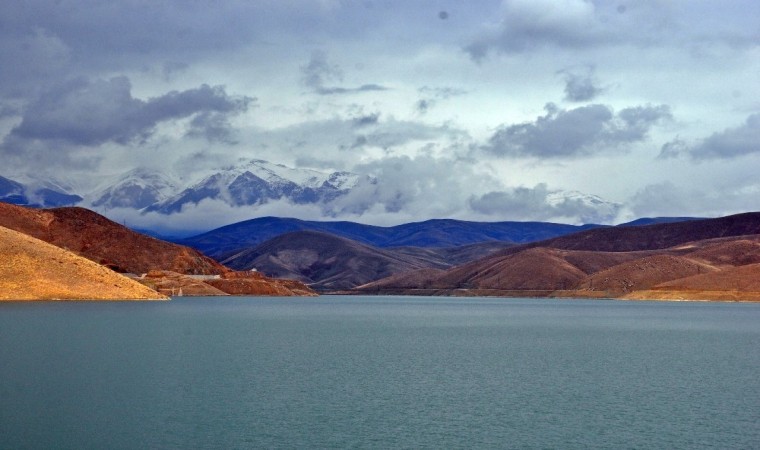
[[535, 204], [102, 32], [729, 143], [90, 113], [576, 132], [580, 86], [322, 77]]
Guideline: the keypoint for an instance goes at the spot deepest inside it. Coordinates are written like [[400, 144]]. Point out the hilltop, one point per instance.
[[103, 241]]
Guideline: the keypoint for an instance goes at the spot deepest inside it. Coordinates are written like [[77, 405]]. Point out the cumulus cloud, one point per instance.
[[435, 187], [540, 203], [90, 113], [575, 132], [322, 77], [729, 143]]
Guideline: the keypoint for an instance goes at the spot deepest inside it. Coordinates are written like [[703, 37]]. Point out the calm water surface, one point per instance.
[[381, 372]]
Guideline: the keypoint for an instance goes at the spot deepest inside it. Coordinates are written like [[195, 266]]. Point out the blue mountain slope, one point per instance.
[[644, 221], [430, 233]]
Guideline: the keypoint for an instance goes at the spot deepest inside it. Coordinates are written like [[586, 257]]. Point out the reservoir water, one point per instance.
[[379, 372]]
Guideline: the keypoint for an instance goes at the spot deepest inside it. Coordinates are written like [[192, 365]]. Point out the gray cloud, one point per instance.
[[90, 113], [528, 25], [431, 96], [576, 132], [321, 77], [536, 203], [580, 86], [437, 187], [669, 199], [729, 143], [369, 119]]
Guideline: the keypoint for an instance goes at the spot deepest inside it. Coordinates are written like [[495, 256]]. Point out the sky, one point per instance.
[[478, 110]]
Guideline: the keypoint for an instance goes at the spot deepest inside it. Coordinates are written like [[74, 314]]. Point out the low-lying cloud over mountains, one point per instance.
[[163, 200]]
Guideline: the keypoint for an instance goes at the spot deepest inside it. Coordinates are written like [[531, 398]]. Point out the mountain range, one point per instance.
[[248, 183], [648, 258]]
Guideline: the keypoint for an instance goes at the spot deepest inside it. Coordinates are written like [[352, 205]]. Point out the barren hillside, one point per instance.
[[31, 269]]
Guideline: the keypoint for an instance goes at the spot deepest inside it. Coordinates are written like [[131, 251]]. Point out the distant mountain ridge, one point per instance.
[[698, 259], [430, 233]]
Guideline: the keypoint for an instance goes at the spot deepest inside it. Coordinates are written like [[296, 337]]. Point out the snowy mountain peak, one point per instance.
[[252, 182], [594, 209], [138, 188]]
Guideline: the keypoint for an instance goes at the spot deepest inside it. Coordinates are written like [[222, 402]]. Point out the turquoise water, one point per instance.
[[379, 372]]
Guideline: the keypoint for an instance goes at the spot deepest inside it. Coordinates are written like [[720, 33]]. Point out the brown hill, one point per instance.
[[230, 283], [324, 261], [741, 278], [254, 283], [657, 236], [642, 273], [93, 236], [718, 268], [725, 251], [415, 279], [530, 269], [31, 269]]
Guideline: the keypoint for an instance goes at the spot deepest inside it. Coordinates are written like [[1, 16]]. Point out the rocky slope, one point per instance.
[[103, 241], [31, 269], [230, 283]]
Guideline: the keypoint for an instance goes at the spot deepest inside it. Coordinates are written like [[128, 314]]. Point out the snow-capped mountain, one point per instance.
[[248, 183], [592, 208], [251, 182], [33, 193], [255, 182], [137, 189]]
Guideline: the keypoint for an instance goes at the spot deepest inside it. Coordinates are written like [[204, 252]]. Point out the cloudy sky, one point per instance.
[[478, 109]]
